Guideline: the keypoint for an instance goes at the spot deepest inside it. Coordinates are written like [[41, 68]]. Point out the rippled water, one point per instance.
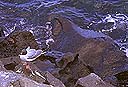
[[107, 16]]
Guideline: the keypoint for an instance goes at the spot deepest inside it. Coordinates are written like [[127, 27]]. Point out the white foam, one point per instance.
[[127, 52]]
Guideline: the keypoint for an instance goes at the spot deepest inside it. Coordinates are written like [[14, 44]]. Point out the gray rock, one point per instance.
[[65, 59], [53, 81], [10, 62], [73, 71], [92, 80], [95, 49], [11, 79]]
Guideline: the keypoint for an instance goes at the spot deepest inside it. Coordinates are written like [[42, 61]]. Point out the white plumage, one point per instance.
[[31, 55]]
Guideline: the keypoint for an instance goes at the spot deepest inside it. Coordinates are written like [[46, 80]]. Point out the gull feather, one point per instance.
[[31, 55]]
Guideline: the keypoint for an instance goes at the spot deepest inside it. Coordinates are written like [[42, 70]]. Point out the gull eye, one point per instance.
[[23, 52]]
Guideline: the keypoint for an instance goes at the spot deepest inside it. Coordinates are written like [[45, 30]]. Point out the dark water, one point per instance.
[[107, 16]]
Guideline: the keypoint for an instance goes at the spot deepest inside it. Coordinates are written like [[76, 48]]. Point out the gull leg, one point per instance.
[[29, 68]]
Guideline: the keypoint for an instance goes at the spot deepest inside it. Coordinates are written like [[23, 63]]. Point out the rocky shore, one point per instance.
[[77, 58]]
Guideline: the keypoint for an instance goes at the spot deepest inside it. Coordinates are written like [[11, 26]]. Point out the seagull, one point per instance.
[[31, 55]]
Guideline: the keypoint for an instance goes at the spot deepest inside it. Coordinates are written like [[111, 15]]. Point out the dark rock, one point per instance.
[[2, 68], [10, 66], [45, 65], [122, 79], [15, 42], [65, 59], [10, 62], [72, 37], [53, 81], [2, 31], [104, 57], [95, 50], [92, 80], [73, 71]]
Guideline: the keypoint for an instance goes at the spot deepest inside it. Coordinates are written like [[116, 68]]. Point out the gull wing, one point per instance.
[[34, 57], [31, 53]]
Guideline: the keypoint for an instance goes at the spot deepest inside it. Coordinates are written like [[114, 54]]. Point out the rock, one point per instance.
[[9, 79], [2, 68], [45, 65], [65, 59], [69, 68], [25, 82], [73, 71], [15, 42], [2, 31], [72, 37], [92, 80], [95, 49], [53, 81], [105, 58], [10, 62]]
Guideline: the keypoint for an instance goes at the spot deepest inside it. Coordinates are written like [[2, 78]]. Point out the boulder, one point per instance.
[[65, 59], [15, 42], [73, 71], [2, 68], [2, 31], [11, 79], [70, 37], [95, 49], [92, 80], [25, 82], [53, 81], [10, 62]]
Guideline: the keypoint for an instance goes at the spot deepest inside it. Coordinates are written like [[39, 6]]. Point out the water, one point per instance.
[[106, 16]]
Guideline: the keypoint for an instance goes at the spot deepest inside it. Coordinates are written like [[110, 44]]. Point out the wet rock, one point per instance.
[[60, 59], [105, 58], [2, 31], [53, 81], [15, 42], [92, 80], [95, 50], [72, 37], [65, 59], [25, 82], [73, 71], [45, 65], [122, 79], [2, 68], [10, 62], [9, 78]]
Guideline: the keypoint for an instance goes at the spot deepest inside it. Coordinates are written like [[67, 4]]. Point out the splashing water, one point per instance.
[[111, 23]]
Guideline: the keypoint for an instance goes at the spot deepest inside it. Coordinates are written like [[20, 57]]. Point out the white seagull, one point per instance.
[[31, 55]]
